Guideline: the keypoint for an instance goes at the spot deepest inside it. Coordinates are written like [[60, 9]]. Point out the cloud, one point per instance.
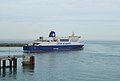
[[89, 17], [50, 10]]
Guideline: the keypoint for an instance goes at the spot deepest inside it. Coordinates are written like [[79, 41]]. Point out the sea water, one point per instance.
[[98, 61]]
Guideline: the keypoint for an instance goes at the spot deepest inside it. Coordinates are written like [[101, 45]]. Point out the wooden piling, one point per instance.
[[0, 65], [14, 62], [4, 63], [10, 63]]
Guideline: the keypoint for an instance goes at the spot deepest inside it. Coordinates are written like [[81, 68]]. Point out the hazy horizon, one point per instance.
[[29, 19]]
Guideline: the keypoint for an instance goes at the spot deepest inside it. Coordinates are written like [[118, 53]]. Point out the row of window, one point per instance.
[[61, 40]]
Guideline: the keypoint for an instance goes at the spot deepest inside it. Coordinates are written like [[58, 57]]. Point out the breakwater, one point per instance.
[[12, 44]]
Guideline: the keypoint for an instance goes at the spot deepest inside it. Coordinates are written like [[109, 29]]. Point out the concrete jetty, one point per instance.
[[12, 44]]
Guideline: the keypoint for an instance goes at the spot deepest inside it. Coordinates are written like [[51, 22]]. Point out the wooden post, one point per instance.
[[14, 62], [4, 63], [0, 64], [10, 64], [4, 66]]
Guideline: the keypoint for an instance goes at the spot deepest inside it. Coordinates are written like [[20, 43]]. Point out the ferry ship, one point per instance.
[[53, 43]]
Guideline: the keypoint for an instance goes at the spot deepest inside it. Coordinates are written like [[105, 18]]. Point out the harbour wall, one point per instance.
[[12, 44]]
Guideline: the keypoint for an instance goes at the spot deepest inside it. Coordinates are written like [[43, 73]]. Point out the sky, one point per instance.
[[29, 19]]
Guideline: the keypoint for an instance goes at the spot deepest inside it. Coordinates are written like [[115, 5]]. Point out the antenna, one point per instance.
[[73, 34]]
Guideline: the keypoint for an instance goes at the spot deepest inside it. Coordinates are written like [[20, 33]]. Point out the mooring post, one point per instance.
[[14, 62], [10, 63], [32, 60], [4, 63], [28, 60], [0, 65]]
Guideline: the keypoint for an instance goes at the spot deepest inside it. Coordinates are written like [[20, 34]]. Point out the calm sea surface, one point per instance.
[[98, 61]]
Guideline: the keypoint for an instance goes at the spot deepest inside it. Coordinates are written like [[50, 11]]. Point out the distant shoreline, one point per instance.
[[12, 44]]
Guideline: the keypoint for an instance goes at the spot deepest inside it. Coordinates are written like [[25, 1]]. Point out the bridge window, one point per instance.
[[64, 40]]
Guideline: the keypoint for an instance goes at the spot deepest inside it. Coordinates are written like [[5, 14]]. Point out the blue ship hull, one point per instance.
[[28, 49]]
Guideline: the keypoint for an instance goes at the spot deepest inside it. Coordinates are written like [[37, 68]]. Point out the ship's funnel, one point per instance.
[[52, 34]]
